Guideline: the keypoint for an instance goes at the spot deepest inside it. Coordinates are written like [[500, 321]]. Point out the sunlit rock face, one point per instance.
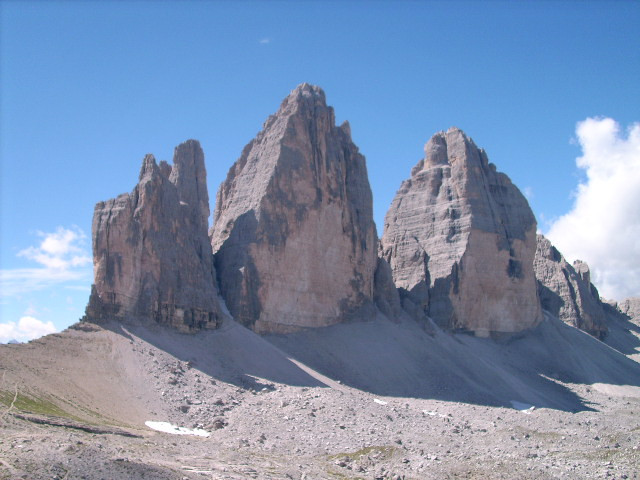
[[293, 234], [631, 308], [151, 251], [566, 290], [460, 239]]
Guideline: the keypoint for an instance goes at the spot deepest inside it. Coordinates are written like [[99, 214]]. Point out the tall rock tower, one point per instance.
[[460, 239], [293, 234], [151, 252]]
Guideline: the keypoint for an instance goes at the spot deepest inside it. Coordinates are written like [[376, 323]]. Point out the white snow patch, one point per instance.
[[523, 407], [195, 469], [432, 413], [175, 430], [381, 402]]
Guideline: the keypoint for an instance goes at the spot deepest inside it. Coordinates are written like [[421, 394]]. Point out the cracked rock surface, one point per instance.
[[566, 290], [460, 239], [294, 239], [151, 253]]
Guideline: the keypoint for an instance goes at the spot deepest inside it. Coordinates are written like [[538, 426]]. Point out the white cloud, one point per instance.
[[603, 226], [59, 250], [62, 256], [27, 328], [264, 41]]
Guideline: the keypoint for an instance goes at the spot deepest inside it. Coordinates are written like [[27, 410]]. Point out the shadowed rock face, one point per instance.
[[151, 252], [293, 233], [566, 290], [460, 239]]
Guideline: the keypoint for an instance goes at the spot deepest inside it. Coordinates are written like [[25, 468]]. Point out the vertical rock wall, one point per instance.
[[152, 257], [293, 234], [460, 240], [566, 290]]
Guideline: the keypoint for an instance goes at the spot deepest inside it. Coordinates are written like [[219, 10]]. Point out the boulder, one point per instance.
[[151, 252], [293, 234], [566, 290], [460, 239]]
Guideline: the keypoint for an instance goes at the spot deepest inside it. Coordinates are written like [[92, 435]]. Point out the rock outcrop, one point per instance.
[[631, 308], [460, 239], [151, 252], [385, 293], [293, 234], [566, 290]]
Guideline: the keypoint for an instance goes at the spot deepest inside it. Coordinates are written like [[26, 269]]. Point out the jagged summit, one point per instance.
[[306, 91], [189, 176], [152, 258], [460, 240], [566, 290], [293, 232], [437, 150]]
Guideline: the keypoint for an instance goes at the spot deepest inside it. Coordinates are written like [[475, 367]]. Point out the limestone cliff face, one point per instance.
[[460, 239], [566, 290], [293, 233], [151, 251], [385, 293]]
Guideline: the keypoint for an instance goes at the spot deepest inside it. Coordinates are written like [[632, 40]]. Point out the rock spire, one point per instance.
[[151, 252], [460, 239], [293, 234]]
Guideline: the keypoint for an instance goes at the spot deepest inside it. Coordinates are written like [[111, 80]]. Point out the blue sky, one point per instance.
[[88, 88]]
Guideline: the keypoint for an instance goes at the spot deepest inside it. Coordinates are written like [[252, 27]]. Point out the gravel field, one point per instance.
[[291, 407]]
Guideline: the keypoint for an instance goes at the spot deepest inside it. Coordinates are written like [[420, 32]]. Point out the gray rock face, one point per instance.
[[566, 290], [151, 252], [631, 308], [460, 240], [293, 233], [385, 294]]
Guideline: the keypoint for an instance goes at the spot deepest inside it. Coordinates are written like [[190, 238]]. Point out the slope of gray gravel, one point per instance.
[[276, 410]]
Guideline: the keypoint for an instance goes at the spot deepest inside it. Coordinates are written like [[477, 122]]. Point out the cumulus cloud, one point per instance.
[[603, 226], [59, 250], [27, 328], [62, 257]]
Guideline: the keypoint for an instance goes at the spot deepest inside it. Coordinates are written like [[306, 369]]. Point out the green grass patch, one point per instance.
[[32, 404]]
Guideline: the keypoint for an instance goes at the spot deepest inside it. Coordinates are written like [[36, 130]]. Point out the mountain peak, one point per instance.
[[466, 259], [305, 97], [446, 147], [293, 234], [306, 89]]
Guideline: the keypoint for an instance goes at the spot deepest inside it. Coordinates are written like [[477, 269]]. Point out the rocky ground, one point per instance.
[[83, 398]]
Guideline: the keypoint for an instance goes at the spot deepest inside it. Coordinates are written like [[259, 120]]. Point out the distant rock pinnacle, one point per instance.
[[566, 290]]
